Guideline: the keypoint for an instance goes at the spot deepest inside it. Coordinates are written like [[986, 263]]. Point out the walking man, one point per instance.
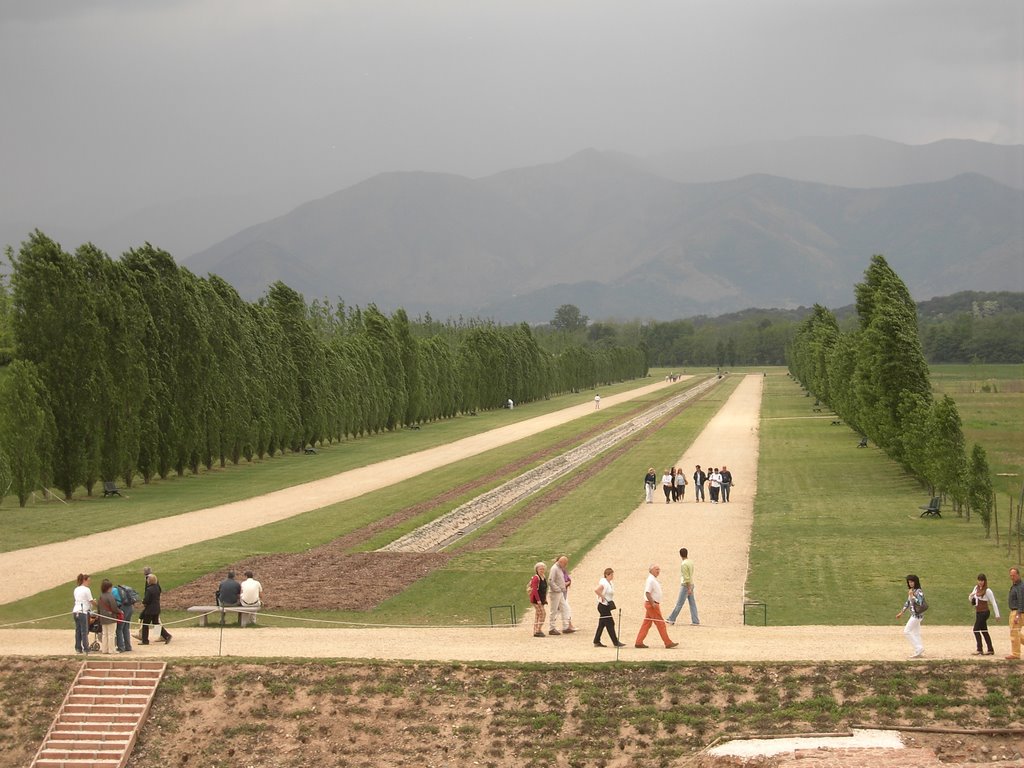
[[652, 610], [1016, 603], [726, 482], [597, 402], [699, 478], [685, 590], [556, 598]]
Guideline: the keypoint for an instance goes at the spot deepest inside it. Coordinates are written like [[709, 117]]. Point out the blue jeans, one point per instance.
[[123, 636], [685, 596], [82, 632]]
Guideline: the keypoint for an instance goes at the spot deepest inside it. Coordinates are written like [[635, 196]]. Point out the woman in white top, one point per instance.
[[605, 605], [984, 603], [668, 482], [83, 604]]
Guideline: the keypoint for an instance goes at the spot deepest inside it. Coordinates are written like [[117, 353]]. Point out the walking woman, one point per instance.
[[539, 597], [916, 604], [83, 604], [680, 485], [108, 611], [605, 605], [984, 603], [650, 480], [667, 484], [151, 610]]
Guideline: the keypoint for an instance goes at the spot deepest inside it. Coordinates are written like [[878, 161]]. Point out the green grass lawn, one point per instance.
[[43, 522], [990, 399], [836, 528]]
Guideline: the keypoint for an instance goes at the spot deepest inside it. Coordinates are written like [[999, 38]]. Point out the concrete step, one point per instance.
[[101, 715]]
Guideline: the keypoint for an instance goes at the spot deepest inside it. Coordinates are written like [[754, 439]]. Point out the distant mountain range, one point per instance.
[[619, 237]]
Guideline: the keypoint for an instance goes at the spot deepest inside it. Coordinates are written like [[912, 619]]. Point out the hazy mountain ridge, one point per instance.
[[602, 232]]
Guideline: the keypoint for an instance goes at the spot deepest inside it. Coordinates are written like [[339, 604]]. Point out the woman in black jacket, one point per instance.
[[151, 610]]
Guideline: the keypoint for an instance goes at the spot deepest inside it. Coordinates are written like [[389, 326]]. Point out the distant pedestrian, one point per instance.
[[714, 484], [597, 402], [108, 610], [667, 484], [605, 592], [556, 597], [151, 610], [686, 589], [680, 490], [539, 597], [650, 480], [914, 603], [511, 405], [699, 478], [726, 482], [984, 603], [1016, 608], [84, 604], [126, 598], [652, 610]]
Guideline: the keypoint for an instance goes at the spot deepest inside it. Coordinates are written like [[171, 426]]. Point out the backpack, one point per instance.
[[126, 596]]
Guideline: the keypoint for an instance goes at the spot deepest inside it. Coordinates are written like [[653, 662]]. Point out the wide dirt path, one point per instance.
[[28, 571]]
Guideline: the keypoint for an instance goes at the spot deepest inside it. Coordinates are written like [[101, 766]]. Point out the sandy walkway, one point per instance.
[[27, 571]]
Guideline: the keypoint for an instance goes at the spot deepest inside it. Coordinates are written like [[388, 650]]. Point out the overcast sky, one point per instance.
[[111, 105]]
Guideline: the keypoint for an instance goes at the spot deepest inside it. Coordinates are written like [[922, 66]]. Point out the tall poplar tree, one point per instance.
[[26, 429]]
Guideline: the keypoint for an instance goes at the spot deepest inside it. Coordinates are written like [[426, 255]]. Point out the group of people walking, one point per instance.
[[543, 589], [673, 484], [111, 613], [983, 602]]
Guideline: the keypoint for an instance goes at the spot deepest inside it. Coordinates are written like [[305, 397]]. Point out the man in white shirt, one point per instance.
[[652, 610], [252, 591]]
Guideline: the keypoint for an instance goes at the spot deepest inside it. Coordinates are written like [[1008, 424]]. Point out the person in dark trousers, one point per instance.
[[151, 610], [605, 592], [726, 483], [984, 603], [1016, 608], [123, 635], [699, 478]]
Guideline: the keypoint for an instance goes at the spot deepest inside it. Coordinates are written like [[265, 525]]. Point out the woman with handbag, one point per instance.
[[108, 610], [605, 605], [151, 610], [984, 603], [917, 605]]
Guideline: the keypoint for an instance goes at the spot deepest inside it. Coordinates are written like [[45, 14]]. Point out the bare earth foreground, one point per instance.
[[718, 537]]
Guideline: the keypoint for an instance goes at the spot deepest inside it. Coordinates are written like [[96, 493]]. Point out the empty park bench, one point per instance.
[[110, 489], [309, 450], [932, 510], [246, 614], [836, 422], [863, 443]]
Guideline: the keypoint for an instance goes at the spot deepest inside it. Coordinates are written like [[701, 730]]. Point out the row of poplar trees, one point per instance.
[[876, 378], [136, 367]]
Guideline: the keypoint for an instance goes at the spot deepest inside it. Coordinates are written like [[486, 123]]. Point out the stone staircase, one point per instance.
[[101, 716]]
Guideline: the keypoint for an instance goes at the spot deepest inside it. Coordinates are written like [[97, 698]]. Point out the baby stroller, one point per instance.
[[96, 627]]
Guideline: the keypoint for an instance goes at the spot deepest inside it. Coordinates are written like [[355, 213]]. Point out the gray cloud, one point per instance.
[[113, 105]]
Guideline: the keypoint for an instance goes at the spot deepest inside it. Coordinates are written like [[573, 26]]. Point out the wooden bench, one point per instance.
[[246, 614], [932, 510]]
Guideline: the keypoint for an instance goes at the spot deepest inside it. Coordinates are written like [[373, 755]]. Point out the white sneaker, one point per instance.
[[918, 655]]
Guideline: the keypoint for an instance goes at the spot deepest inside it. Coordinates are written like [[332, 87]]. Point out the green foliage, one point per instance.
[[26, 430], [979, 487], [149, 369], [569, 319]]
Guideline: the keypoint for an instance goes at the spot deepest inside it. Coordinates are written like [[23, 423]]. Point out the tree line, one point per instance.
[[876, 378], [137, 368]]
